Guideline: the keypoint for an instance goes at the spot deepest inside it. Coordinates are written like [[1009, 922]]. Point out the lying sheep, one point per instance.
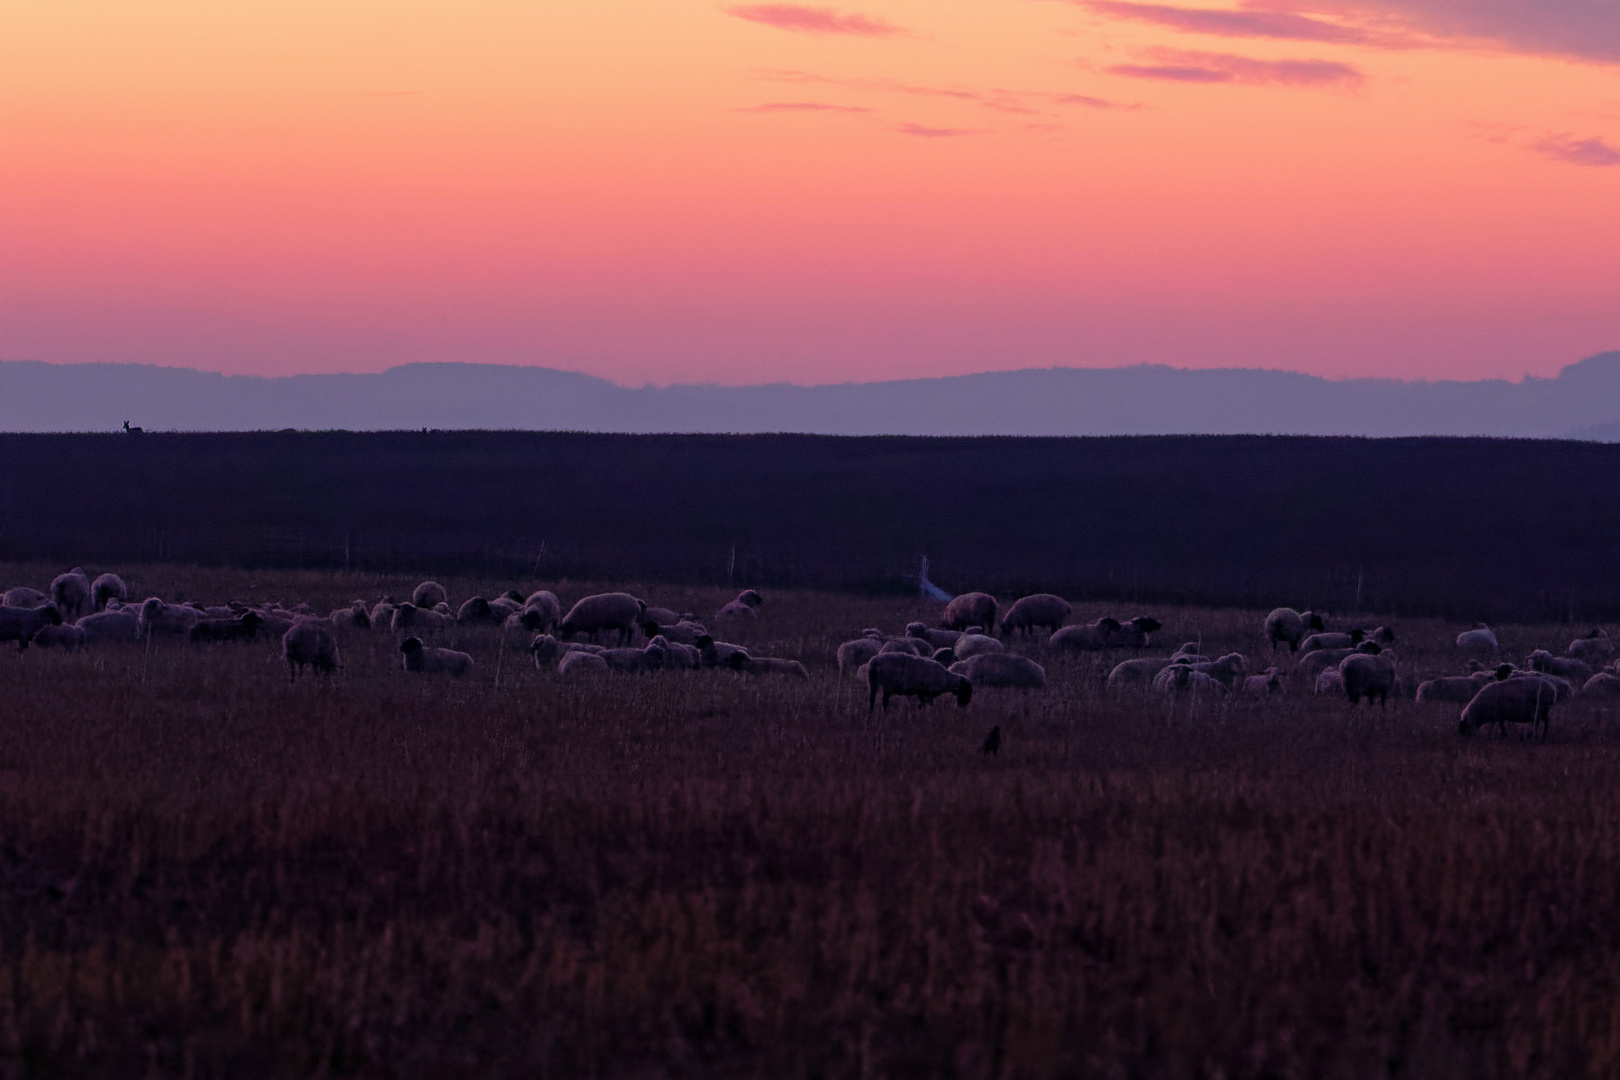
[[719, 653], [1287, 626], [1136, 634], [1001, 670], [650, 658], [746, 606], [1041, 611], [158, 619], [545, 650], [409, 616], [119, 624], [1138, 672], [1093, 638], [663, 616], [1479, 641], [938, 639], [107, 588], [579, 662], [310, 643], [478, 612], [1594, 648], [242, 629], [20, 624], [1510, 701], [23, 597], [1368, 675], [1545, 662], [1329, 683], [772, 665], [676, 654], [902, 675], [970, 609], [429, 595], [1263, 685], [53, 636], [616, 611], [1324, 641], [421, 660], [1455, 689], [70, 592], [1603, 686], [970, 645], [684, 632]]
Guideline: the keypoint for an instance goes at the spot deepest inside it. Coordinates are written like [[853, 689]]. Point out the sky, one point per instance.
[[663, 191]]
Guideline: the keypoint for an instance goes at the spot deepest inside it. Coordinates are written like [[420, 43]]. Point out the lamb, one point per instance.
[[852, 654], [158, 619], [421, 660], [1263, 685], [1594, 648], [581, 663], [477, 612], [119, 624], [1136, 634], [1329, 683], [971, 609], [20, 624], [310, 643], [410, 617], [746, 605], [938, 639], [1602, 686], [541, 611], [1002, 670], [243, 629], [897, 674], [107, 588], [1290, 626], [1093, 638], [429, 595], [70, 592], [1545, 662], [1368, 675], [1456, 689], [1319, 642], [1031, 613], [1139, 672], [970, 645], [771, 665], [23, 597], [545, 650], [1479, 641], [604, 611], [1510, 701]]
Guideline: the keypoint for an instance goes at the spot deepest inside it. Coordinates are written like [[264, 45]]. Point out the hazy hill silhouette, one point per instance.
[[1583, 401]]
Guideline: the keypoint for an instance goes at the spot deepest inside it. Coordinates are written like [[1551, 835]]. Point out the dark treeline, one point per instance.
[[1470, 528]]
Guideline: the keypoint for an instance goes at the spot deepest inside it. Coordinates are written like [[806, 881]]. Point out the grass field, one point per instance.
[[207, 870]]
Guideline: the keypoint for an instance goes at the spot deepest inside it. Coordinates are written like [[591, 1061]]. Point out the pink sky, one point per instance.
[[669, 191]]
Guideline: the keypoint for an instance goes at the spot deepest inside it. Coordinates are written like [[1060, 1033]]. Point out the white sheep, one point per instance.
[[1323, 641], [1594, 648], [1136, 634], [382, 613], [852, 654], [721, 654], [70, 592], [1039, 611], [1368, 675], [684, 632], [772, 665], [1179, 679], [579, 662], [903, 675], [20, 624], [1479, 641], [421, 660], [1138, 672], [746, 606], [1329, 683], [107, 588], [1093, 638], [410, 617], [22, 596], [676, 654], [116, 624], [1002, 670], [938, 639], [65, 636], [1510, 701], [1544, 661], [477, 611], [1285, 625], [614, 611], [158, 619], [541, 611], [310, 643], [353, 617], [914, 646], [970, 645], [545, 650], [1313, 662], [1455, 689], [1226, 670], [1263, 685], [429, 595], [651, 658], [1603, 686], [971, 609]]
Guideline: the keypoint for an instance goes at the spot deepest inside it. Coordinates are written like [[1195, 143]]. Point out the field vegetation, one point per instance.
[[209, 870]]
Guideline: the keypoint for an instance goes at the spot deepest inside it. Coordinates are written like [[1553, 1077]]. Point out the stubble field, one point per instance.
[[207, 870]]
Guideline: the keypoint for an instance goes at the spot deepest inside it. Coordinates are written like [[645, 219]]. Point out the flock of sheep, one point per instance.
[[970, 648]]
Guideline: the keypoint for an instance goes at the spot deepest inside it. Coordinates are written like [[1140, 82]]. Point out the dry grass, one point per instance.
[[207, 870]]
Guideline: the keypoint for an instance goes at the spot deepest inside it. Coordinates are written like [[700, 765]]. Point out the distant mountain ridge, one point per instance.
[[1582, 401]]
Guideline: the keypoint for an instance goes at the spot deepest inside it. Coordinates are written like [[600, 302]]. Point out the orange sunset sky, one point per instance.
[[671, 191]]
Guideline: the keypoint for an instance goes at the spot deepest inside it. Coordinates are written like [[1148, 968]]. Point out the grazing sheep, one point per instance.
[[772, 665], [67, 637], [615, 611], [119, 624], [243, 629], [107, 588], [720, 654], [1319, 642], [1136, 634], [158, 619], [579, 662], [970, 645], [1602, 686], [1093, 638], [1479, 641], [1226, 670], [914, 646], [1455, 689], [1178, 679], [70, 592], [541, 611], [1562, 689], [310, 643], [20, 624], [1368, 675], [1042, 611], [23, 597], [504, 608], [1510, 701], [1313, 662], [1138, 672], [938, 639], [477, 612], [545, 650], [421, 660], [746, 605], [971, 609], [1594, 648], [899, 674], [663, 616], [1329, 683], [1002, 670], [1543, 661], [1263, 685], [1290, 626], [409, 616], [429, 594], [852, 654], [355, 617]]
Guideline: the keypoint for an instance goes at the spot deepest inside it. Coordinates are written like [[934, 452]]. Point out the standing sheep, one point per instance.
[[70, 592], [971, 609], [1368, 675], [477, 612], [541, 611], [545, 650], [21, 624], [1594, 648], [898, 674], [429, 594], [421, 660], [1329, 683], [23, 597], [937, 639], [852, 654], [1602, 686], [355, 616], [1479, 642], [107, 588], [117, 625], [1263, 685], [614, 611], [1002, 670], [158, 619], [1093, 638], [1136, 634], [310, 643], [1042, 611], [52, 636], [1285, 625], [1511, 701], [1544, 661], [970, 645]]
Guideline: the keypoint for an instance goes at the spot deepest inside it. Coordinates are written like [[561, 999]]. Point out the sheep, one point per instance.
[[243, 629], [578, 662], [771, 665], [23, 597], [1139, 672], [382, 613], [1602, 686], [429, 594], [1368, 675], [1382, 635], [310, 643], [1290, 626], [107, 588], [1093, 638], [276, 621], [477, 612], [948, 656], [650, 658], [852, 654], [914, 646], [970, 609], [70, 592], [158, 619], [1543, 661], [1319, 642], [604, 611], [545, 649], [1225, 671], [504, 608], [719, 653], [746, 605], [1136, 634], [1594, 648], [970, 645], [677, 655], [1510, 701], [119, 624], [20, 624], [1329, 683], [1313, 662], [541, 611], [355, 616], [421, 660], [1002, 670], [1263, 685], [938, 639], [684, 633], [1479, 641], [1456, 689], [1562, 689], [897, 674], [1031, 613], [408, 616], [1184, 679], [66, 636]]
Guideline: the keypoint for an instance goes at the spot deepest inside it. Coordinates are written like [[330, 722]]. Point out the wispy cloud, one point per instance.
[[1017, 102], [923, 131], [802, 107], [816, 20], [1175, 65], [1281, 25], [1573, 151]]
